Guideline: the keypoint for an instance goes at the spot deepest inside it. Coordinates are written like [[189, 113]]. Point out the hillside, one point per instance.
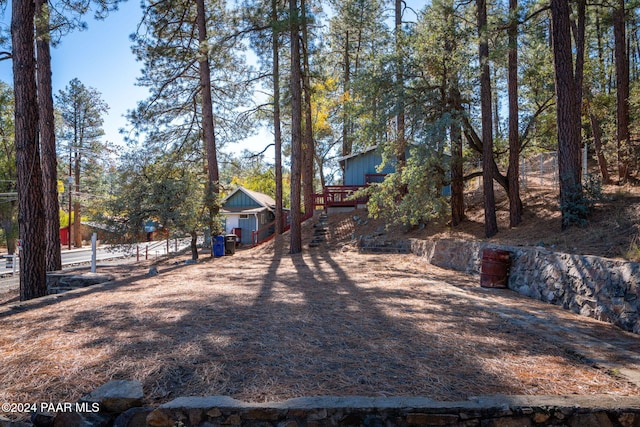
[[612, 231]]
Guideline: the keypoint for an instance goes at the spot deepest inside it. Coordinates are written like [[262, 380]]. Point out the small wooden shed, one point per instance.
[[249, 215]]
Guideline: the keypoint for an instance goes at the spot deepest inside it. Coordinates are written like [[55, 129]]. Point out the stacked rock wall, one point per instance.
[[482, 411], [487, 411]]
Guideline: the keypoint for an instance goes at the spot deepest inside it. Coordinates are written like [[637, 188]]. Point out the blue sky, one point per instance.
[[101, 58]]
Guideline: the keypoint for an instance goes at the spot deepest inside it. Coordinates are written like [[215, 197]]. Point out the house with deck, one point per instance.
[[249, 215], [359, 170]]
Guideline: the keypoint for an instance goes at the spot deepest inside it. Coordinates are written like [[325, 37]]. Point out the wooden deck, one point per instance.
[[338, 196], [331, 196]]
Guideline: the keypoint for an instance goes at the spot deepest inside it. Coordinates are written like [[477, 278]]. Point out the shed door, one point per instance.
[[248, 224], [231, 223]]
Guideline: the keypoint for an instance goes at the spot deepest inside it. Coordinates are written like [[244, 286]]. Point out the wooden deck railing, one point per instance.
[[338, 195], [318, 201], [331, 196]]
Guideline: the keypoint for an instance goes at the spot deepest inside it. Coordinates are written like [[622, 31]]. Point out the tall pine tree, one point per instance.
[[31, 219]]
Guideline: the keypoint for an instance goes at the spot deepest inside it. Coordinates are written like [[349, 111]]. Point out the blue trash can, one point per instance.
[[218, 246]]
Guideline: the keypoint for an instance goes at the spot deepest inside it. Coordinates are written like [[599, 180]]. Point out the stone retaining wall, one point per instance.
[[487, 411], [601, 288], [123, 409], [374, 245], [61, 281]]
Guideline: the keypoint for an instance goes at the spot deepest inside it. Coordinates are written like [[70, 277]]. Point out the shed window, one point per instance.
[[244, 216]]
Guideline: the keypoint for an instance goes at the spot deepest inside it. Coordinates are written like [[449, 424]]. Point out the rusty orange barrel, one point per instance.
[[495, 268]]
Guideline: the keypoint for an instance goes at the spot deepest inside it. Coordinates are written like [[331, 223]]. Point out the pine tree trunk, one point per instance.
[[600, 49], [208, 129], [77, 215], [496, 104], [47, 141], [308, 145], [634, 57], [277, 132], [77, 225], [513, 171], [568, 117], [457, 178], [597, 142], [579, 40], [400, 118], [194, 245], [319, 164], [454, 101], [490, 220], [622, 91], [347, 143], [596, 129], [296, 130], [9, 231], [31, 221]]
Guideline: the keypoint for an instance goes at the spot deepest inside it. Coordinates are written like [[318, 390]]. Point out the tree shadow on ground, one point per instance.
[[269, 328]]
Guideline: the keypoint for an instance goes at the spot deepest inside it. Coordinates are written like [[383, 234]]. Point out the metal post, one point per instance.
[[541, 170], [94, 244], [146, 252], [137, 253]]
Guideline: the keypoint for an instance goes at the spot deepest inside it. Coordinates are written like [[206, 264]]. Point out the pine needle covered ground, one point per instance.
[[264, 325]]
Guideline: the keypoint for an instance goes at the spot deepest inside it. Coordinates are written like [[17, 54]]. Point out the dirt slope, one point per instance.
[[612, 231]]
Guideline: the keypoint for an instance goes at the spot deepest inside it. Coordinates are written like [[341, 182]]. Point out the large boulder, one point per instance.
[[116, 396]]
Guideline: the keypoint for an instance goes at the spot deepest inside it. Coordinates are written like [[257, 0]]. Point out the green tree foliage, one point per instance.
[[370, 79], [51, 20], [196, 80], [159, 189], [358, 39], [83, 153], [409, 84], [37, 195], [166, 43], [435, 55], [441, 84], [423, 177], [267, 21]]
